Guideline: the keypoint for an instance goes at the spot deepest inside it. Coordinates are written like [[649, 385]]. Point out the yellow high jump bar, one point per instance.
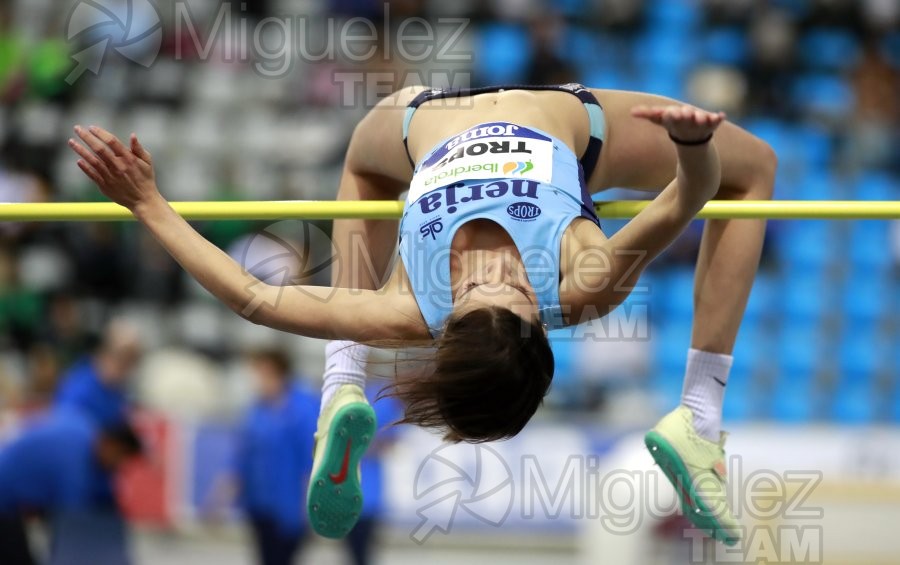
[[389, 209]]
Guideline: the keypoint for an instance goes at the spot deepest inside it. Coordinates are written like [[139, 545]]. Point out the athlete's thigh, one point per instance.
[[639, 154]]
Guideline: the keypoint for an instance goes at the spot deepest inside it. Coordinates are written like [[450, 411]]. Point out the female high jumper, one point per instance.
[[498, 243]]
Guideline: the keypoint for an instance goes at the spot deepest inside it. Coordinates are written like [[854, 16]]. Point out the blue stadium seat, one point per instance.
[[807, 298], [654, 281], [667, 387], [741, 401], [816, 184], [665, 55], [582, 48], [504, 51], [870, 246], [571, 8], [813, 145], [762, 298], [611, 78], [832, 49], [866, 297], [774, 132], [822, 94], [876, 186], [796, 9], [854, 403], [670, 15], [663, 81], [801, 350], [793, 401], [894, 397], [676, 288], [800, 148], [895, 406], [753, 351], [805, 245], [864, 352], [890, 48], [671, 341], [725, 46]]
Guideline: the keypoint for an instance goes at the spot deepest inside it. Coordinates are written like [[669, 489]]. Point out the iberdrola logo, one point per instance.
[[517, 167]]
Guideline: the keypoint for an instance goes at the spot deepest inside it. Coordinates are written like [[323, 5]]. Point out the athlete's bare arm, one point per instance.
[[376, 168], [604, 275], [639, 155], [125, 175]]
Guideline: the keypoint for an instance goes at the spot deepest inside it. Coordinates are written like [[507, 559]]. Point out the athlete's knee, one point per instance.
[[764, 188], [759, 182]]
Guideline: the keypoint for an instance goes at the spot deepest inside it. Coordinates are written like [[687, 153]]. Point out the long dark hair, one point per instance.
[[489, 374]]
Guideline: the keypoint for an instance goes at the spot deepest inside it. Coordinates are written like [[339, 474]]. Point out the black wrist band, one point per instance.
[[690, 142]]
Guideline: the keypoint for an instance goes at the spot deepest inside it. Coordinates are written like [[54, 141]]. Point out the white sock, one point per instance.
[[704, 390], [345, 364]]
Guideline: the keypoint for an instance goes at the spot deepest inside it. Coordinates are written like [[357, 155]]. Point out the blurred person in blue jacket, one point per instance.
[[361, 538], [275, 458], [97, 384], [51, 469]]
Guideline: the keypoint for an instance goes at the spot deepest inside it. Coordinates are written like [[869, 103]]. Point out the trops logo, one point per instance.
[[525, 211]]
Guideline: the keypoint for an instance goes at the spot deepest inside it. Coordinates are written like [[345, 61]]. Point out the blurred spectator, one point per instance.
[[877, 87], [63, 328], [362, 537], [546, 66], [772, 37], [52, 468], [98, 384], [873, 135], [19, 306], [728, 11], [42, 376], [881, 15], [12, 57], [100, 258], [18, 184], [275, 458]]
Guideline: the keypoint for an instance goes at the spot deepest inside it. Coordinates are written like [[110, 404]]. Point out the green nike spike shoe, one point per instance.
[[696, 468], [345, 429]]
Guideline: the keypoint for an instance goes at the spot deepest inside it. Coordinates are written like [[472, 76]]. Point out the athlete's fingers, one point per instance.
[[654, 114], [110, 140], [701, 118], [671, 115], [98, 147], [90, 172], [89, 157], [140, 151]]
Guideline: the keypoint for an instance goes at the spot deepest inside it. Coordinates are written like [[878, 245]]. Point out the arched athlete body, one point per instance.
[[497, 243]]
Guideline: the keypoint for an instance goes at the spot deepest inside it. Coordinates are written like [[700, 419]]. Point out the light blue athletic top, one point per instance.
[[523, 179]]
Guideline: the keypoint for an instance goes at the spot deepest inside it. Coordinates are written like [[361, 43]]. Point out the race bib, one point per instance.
[[492, 150]]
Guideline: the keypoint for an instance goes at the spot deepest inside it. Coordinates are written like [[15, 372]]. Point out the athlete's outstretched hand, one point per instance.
[[123, 174], [684, 123]]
